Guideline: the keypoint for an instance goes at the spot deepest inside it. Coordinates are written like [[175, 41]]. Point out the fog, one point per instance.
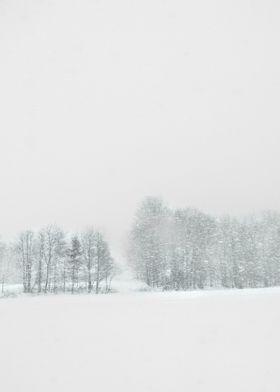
[[105, 102]]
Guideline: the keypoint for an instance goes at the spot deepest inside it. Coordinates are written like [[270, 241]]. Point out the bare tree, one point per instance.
[[51, 247], [74, 254], [104, 261], [89, 250], [25, 251]]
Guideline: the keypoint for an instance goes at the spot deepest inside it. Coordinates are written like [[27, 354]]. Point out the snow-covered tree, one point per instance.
[[187, 249], [74, 259], [148, 242], [24, 249]]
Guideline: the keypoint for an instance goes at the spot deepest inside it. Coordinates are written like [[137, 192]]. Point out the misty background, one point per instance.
[[104, 102]]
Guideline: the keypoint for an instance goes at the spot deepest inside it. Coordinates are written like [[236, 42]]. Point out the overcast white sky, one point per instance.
[[104, 102]]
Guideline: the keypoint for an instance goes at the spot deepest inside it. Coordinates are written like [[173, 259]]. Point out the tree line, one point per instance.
[[186, 249], [49, 261], [179, 249]]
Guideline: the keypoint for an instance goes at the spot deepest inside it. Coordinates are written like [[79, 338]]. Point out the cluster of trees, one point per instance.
[[48, 261], [188, 249], [168, 249]]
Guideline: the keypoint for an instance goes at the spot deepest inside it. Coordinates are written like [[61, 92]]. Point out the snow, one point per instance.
[[198, 341], [125, 282]]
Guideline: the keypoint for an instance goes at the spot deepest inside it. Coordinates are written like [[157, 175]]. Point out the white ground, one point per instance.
[[148, 342]]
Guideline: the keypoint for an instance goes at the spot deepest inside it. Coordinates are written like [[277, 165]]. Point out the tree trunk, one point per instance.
[[97, 275], [73, 279], [40, 276], [47, 278], [89, 281]]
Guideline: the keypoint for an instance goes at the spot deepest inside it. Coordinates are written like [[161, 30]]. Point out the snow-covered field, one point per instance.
[[150, 342]]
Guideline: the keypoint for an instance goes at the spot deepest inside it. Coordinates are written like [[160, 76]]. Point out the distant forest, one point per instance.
[[183, 249], [188, 249]]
